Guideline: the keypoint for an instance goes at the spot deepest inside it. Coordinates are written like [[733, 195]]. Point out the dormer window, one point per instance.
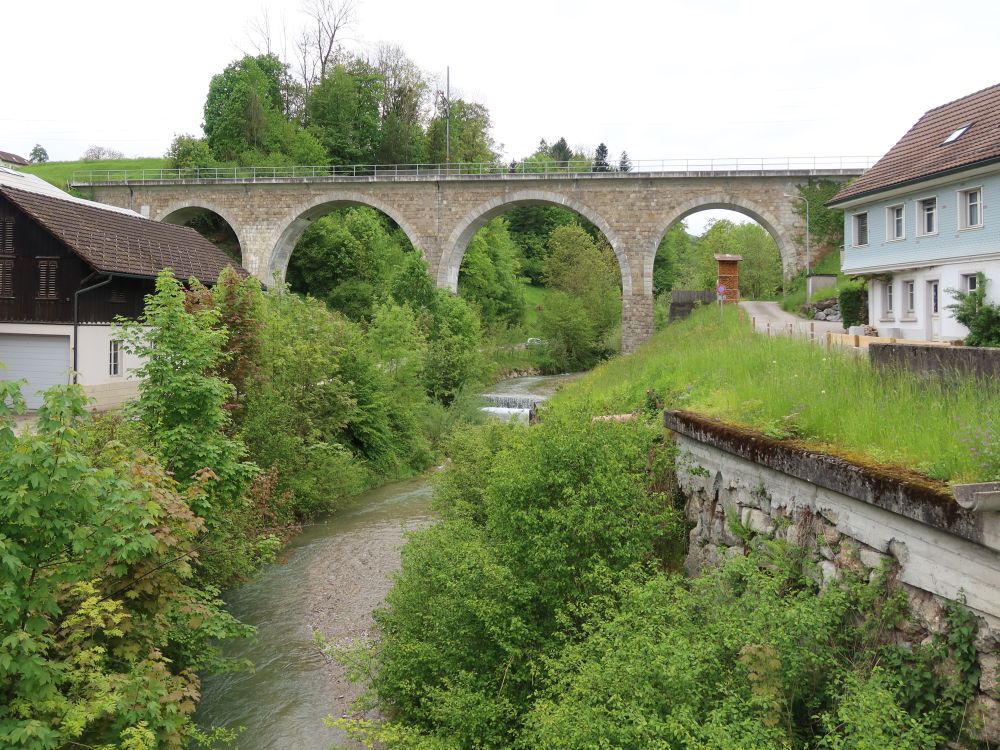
[[956, 134]]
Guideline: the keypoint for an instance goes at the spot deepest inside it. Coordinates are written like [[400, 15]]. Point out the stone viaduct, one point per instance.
[[441, 213]]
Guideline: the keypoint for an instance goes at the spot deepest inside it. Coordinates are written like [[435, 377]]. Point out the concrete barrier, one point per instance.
[[982, 362]]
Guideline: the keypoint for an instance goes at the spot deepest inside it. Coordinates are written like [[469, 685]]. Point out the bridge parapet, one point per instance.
[[823, 166]]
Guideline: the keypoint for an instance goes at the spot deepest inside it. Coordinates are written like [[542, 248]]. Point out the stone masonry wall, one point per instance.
[[935, 557]]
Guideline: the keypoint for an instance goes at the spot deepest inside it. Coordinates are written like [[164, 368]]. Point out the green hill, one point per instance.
[[59, 172]]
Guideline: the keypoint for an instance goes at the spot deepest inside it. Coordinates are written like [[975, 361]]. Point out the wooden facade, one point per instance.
[[39, 276]]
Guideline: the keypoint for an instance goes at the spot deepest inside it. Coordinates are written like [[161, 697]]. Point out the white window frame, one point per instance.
[[963, 207], [921, 216], [969, 282], [890, 223], [910, 298], [114, 358], [887, 300], [855, 221]]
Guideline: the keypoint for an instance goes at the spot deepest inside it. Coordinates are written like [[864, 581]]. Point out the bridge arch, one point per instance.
[[181, 212], [299, 219], [455, 246], [752, 209]]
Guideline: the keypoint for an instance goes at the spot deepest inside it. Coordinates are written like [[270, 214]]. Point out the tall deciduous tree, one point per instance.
[[38, 154], [344, 112], [469, 133], [244, 106]]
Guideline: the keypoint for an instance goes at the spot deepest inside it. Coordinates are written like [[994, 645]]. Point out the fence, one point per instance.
[[523, 169]]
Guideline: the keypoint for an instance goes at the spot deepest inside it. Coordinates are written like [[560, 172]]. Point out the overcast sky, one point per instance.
[[668, 79]]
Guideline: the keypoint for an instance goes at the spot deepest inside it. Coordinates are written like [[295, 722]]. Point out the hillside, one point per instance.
[[59, 172]]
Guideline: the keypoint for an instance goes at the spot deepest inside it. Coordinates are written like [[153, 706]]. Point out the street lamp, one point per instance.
[[803, 198]]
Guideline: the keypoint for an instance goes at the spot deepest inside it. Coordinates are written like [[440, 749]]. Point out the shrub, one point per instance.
[[975, 313], [853, 300]]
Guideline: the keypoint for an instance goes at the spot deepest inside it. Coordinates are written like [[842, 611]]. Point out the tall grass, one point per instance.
[[791, 388]]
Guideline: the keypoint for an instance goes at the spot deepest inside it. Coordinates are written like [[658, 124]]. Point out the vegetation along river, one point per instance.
[[329, 580]]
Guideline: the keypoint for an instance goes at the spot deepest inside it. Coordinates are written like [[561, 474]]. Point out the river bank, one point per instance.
[[328, 580]]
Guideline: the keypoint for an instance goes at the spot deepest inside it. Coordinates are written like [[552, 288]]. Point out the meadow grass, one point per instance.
[[788, 388], [60, 172]]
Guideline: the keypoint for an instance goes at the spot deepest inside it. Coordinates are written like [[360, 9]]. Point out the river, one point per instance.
[[329, 579]]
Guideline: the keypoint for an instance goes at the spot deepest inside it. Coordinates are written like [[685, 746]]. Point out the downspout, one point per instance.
[[76, 318]]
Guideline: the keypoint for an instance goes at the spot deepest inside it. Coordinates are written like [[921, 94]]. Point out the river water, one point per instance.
[[329, 580]]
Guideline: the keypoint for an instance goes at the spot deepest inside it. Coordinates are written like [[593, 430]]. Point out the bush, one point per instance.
[[975, 313], [853, 300]]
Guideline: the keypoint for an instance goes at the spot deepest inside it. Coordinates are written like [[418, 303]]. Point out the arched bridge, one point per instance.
[[441, 207]]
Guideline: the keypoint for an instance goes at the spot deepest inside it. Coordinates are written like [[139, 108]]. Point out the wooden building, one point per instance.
[[68, 269]]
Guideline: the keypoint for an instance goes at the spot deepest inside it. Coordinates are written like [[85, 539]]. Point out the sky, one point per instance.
[[661, 80]]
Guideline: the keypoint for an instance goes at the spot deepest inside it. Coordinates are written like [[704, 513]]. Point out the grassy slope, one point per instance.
[[59, 172], [791, 388], [795, 297]]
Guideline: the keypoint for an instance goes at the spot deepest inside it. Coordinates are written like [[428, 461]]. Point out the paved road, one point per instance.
[[765, 313]]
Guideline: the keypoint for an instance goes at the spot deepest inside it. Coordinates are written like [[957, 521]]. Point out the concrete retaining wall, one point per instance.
[[852, 517], [982, 362], [682, 302]]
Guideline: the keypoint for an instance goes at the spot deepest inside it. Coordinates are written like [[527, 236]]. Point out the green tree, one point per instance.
[[187, 151], [344, 112], [38, 154], [489, 275], [101, 630], [624, 163], [181, 404], [973, 311], [470, 127], [674, 247], [244, 107], [601, 159]]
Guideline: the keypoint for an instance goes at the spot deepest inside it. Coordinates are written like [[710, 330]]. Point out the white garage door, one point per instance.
[[41, 360]]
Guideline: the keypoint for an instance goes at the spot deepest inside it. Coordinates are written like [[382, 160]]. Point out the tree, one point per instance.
[[188, 151], [181, 404], [973, 311], [624, 163], [244, 109], [403, 107], [470, 126], [100, 153], [344, 112], [489, 276], [601, 159], [560, 151], [318, 46], [38, 154]]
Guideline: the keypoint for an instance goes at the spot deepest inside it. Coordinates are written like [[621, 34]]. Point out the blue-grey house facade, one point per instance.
[[924, 221]]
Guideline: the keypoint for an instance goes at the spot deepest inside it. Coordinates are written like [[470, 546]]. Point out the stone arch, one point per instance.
[[728, 201], [291, 228], [180, 212], [457, 243]]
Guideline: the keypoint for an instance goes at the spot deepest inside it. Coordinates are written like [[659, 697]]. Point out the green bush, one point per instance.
[[853, 301], [975, 313]]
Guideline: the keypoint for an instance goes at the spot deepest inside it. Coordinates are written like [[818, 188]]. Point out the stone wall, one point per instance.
[[739, 483], [983, 362]]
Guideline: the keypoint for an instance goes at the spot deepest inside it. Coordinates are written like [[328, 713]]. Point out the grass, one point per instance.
[[791, 389], [534, 296], [60, 172]]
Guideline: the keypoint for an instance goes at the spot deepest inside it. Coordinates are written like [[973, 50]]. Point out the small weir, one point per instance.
[[510, 406]]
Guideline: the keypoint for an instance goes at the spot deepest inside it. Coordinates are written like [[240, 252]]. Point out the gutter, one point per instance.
[[76, 316]]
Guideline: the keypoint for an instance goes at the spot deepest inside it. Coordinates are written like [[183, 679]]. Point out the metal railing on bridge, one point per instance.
[[515, 170]]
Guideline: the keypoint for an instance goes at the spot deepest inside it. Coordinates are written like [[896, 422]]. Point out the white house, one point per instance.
[[68, 268], [919, 223]]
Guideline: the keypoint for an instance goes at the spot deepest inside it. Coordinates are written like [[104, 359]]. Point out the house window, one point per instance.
[[6, 277], [114, 357], [894, 224], [970, 282], [860, 230], [956, 133], [6, 235], [48, 269], [910, 297], [927, 216], [888, 298], [970, 206]]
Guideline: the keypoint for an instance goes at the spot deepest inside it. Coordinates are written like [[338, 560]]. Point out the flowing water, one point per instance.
[[329, 580]]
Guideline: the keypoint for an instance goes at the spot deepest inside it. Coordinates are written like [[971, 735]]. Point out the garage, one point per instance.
[[41, 360]]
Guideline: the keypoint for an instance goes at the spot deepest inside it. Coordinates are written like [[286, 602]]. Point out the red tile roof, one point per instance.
[[13, 158], [922, 153], [115, 241]]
